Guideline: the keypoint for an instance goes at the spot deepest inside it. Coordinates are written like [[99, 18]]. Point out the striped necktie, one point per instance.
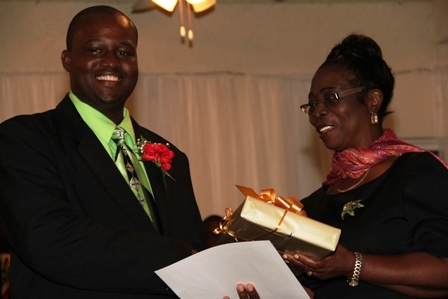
[[131, 170]]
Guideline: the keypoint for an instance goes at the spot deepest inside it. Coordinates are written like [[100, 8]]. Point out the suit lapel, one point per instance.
[[79, 136], [157, 181], [112, 180]]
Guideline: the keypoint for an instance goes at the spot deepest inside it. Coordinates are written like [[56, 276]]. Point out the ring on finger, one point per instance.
[[309, 273]]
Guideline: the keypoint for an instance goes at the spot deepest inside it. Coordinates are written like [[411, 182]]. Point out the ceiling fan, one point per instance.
[[170, 5]]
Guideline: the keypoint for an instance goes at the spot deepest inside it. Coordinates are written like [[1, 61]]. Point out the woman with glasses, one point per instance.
[[389, 198]]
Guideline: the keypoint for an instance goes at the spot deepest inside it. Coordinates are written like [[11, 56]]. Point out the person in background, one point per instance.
[[5, 258], [389, 198], [79, 226], [210, 223]]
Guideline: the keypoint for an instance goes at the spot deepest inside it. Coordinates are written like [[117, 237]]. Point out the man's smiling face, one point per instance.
[[102, 61]]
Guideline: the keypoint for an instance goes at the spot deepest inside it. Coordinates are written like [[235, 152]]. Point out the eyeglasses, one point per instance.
[[328, 100]]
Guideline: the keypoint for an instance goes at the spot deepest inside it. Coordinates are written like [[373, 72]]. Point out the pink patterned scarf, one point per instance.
[[354, 162]]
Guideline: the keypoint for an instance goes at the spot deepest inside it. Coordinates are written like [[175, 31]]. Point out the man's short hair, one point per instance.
[[88, 12]]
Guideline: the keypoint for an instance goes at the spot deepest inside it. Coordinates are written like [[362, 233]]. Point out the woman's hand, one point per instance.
[[247, 291], [417, 274], [339, 263]]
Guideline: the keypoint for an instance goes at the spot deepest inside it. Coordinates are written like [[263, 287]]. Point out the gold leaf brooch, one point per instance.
[[349, 208]]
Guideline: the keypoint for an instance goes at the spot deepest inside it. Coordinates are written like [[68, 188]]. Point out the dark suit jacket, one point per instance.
[[76, 229]]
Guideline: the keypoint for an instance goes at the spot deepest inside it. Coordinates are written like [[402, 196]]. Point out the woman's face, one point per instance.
[[345, 124]]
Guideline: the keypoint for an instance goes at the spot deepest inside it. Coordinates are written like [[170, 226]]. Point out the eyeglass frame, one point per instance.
[[336, 95]]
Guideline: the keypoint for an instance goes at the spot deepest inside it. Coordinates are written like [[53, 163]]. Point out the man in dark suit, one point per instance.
[[75, 227]]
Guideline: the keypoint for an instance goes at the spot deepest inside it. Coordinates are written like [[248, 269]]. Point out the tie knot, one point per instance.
[[118, 135]]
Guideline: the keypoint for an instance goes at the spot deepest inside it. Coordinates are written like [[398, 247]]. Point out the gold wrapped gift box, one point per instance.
[[266, 216]]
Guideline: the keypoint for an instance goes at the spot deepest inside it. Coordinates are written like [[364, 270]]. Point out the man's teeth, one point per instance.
[[107, 78], [324, 129]]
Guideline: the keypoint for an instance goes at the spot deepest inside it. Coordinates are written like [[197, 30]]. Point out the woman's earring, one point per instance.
[[374, 119]]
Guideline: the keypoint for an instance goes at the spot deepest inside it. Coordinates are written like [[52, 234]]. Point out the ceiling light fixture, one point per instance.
[[170, 5]]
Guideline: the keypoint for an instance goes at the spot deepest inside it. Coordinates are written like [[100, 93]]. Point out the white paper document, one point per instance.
[[215, 272]]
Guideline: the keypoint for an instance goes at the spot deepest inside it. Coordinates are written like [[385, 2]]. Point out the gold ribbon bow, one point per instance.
[[291, 204]]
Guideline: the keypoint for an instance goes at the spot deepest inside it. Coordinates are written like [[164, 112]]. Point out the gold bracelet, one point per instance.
[[353, 282]]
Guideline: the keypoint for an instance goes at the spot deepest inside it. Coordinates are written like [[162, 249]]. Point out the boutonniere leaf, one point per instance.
[[158, 153], [349, 208]]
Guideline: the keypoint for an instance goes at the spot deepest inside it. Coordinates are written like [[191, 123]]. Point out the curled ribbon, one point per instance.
[[225, 222]]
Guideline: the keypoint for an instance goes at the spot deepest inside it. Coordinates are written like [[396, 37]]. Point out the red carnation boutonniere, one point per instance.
[[158, 153]]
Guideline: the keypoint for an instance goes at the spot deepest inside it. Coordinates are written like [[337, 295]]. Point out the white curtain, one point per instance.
[[26, 93], [236, 129]]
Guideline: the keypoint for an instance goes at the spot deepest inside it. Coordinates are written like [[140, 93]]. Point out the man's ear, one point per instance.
[[66, 59], [375, 99]]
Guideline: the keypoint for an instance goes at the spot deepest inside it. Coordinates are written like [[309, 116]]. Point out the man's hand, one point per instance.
[[246, 292]]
